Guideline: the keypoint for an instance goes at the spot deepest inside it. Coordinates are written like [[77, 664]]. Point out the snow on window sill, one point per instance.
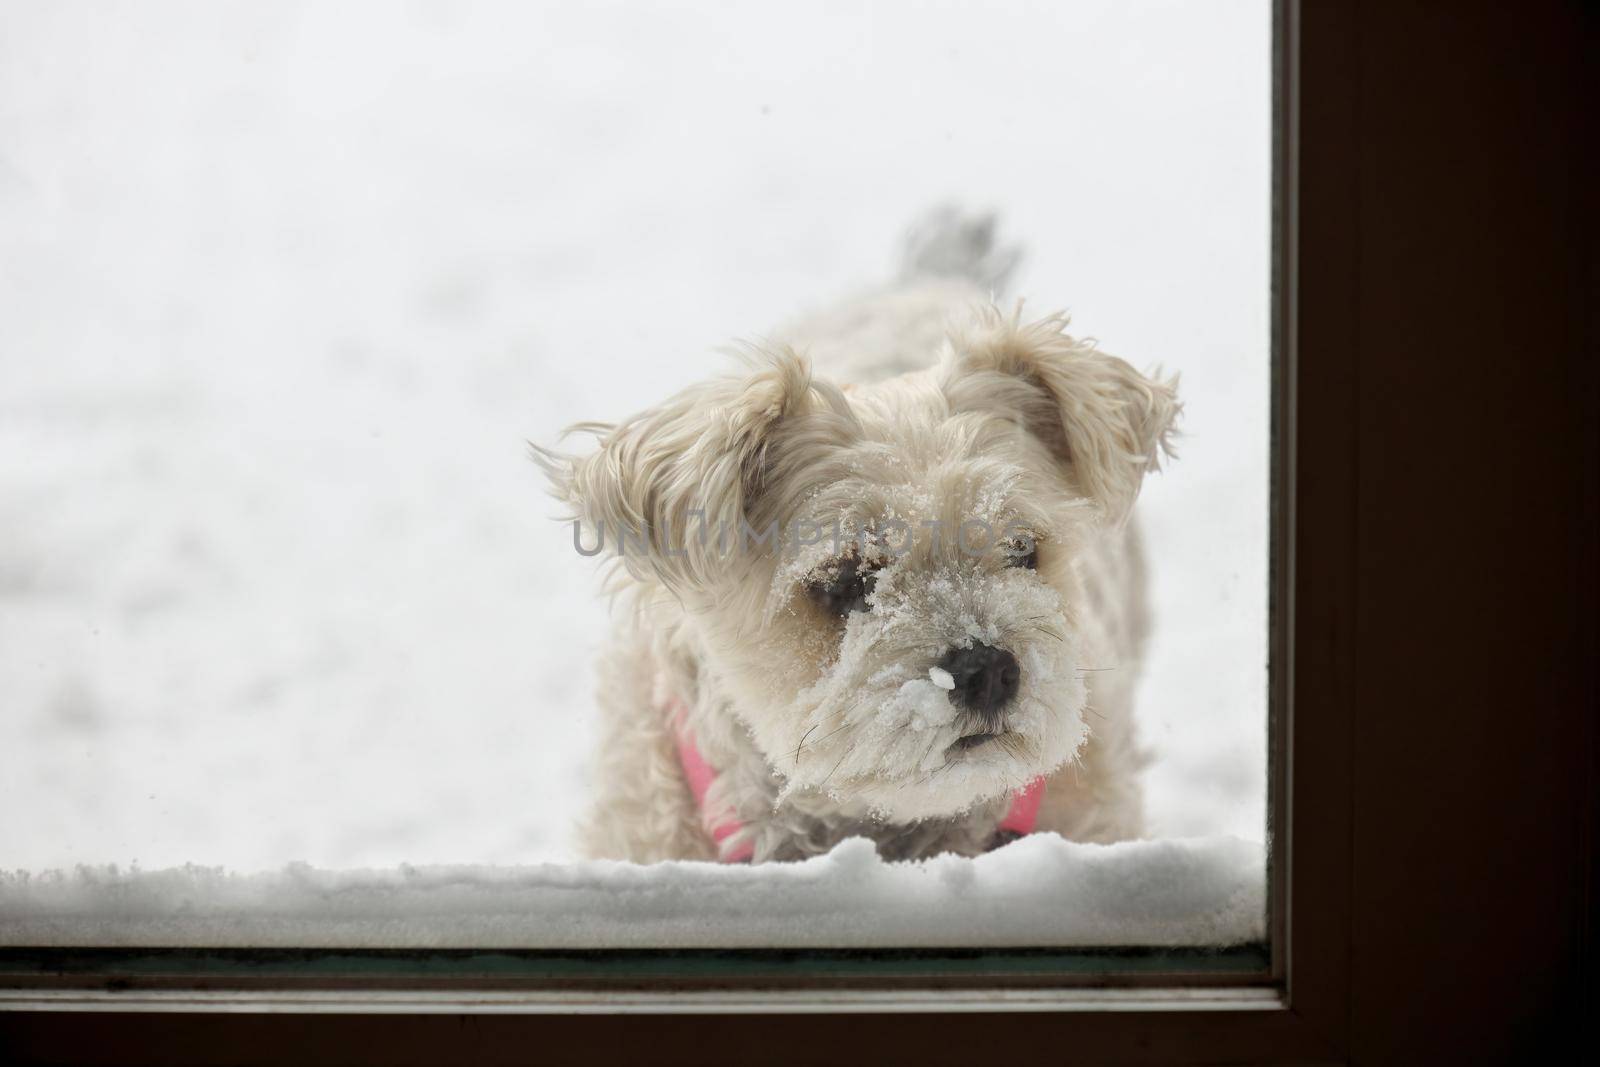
[[1040, 890]]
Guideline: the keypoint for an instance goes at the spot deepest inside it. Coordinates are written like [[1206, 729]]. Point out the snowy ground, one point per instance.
[[286, 288]]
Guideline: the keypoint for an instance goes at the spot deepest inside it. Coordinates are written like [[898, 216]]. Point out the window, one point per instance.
[[301, 601], [1316, 436]]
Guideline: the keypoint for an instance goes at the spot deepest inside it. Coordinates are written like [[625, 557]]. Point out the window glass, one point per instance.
[[290, 288]]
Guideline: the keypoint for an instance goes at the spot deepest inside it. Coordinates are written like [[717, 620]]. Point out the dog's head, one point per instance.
[[883, 578]]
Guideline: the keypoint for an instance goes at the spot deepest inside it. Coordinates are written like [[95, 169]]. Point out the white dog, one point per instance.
[[902, 601]]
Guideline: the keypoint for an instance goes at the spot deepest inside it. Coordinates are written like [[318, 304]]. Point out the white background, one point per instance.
[[284, 289]]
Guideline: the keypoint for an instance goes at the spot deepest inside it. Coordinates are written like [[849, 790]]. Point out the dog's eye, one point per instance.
[[1023, 552], [845, 590]]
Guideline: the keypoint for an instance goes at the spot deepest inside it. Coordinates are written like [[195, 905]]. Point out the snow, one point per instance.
[[287, 287], [1038, 890], [941, 678]]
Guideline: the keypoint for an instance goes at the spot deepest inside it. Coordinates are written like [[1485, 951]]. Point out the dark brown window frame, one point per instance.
[[1430, 896]]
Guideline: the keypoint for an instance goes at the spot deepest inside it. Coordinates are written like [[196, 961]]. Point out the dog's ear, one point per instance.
[[1105, 421], [672, 490]]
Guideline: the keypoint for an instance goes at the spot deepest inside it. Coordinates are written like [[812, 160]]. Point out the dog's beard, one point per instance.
[[876, 731]]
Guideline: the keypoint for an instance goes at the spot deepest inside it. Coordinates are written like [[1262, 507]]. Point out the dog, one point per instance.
[[881, 581]]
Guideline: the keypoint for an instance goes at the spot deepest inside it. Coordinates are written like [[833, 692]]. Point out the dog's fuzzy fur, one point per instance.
[[936, 407]]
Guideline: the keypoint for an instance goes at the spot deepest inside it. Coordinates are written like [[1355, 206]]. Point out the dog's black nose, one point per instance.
[[986, 678]]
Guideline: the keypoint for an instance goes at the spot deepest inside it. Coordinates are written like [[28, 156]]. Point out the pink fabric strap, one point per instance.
[[698, 773], [1020, 818], [1024, 813]]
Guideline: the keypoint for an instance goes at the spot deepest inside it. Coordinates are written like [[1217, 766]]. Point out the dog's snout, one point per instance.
[[985, 678]]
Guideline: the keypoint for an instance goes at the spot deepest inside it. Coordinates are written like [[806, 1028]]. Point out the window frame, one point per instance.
[[1338, 983]]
